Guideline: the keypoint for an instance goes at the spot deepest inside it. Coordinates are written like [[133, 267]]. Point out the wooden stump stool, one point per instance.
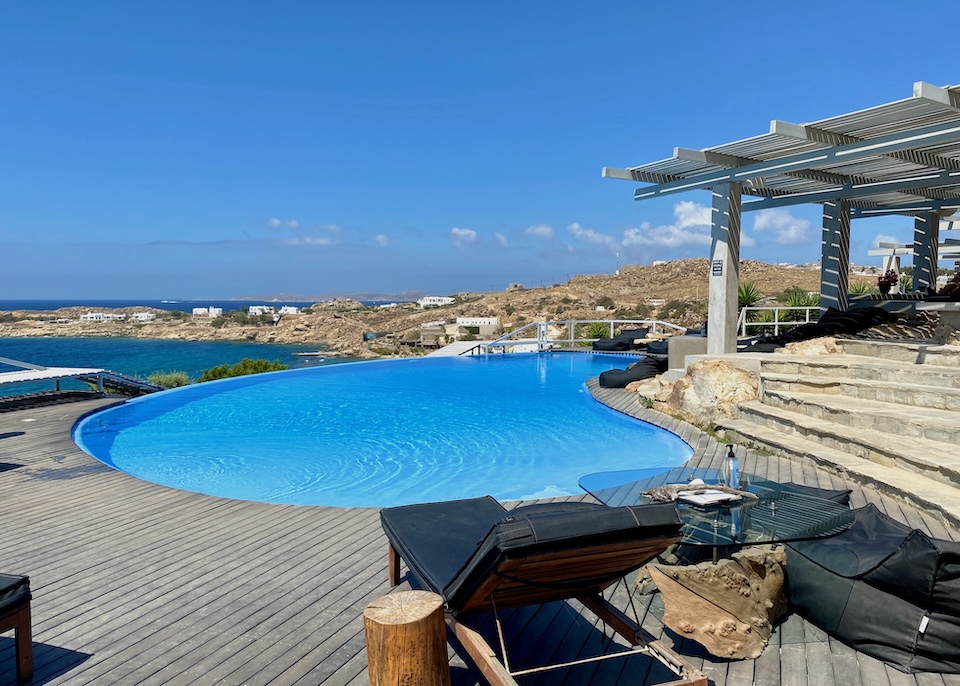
[[406, 640]]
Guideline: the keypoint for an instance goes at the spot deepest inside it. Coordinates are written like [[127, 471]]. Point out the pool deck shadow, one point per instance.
[[136, 583]]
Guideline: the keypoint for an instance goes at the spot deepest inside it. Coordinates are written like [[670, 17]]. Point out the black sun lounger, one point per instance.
[[480, 557]]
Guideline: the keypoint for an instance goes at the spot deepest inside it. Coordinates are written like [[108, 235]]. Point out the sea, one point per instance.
[[182, 305], [139, 358]]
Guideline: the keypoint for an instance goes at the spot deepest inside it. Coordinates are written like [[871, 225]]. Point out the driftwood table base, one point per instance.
[[729, 606]]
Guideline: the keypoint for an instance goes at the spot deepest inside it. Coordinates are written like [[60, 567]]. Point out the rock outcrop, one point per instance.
[[710, 390]]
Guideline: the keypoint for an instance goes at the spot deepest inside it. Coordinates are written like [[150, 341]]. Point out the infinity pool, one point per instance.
[[383, 433]]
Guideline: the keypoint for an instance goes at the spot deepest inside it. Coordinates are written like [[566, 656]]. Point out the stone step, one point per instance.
[[913, 394], [913, 487], [858, 367], [913, 353], [870, 415], [933, 459]]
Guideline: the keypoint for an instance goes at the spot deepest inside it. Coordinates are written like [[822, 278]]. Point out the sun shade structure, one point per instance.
[[32, 372], [899, 158]]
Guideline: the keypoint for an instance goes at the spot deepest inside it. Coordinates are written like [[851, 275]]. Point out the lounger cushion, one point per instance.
[[645, 368], [452, 547], [435, 539], [623, 340], [14, 590]]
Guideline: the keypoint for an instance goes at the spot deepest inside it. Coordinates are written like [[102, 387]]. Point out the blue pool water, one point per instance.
[[384, 433]]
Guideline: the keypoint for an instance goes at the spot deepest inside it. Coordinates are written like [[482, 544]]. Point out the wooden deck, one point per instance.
[[140, 584]]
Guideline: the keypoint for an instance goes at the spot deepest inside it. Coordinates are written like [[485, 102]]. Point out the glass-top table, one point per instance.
[[780, 513]]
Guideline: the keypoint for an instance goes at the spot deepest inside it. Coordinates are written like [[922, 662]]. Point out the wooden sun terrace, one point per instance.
[[135, 583]]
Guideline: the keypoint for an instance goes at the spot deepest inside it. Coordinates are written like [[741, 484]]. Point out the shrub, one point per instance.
[[862, 288], [170, 379], [675, 309], [597, 330], [565, 300], [241, 368], [606, 302], [509, 309], [748, 294]]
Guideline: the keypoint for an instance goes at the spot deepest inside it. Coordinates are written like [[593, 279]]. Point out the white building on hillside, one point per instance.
[[260, 309], [143, 316], [207, 311], [92, 317], [289, 309], [435, 301]]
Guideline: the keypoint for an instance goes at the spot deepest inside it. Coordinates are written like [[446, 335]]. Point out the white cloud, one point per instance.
[[689, 213], [884, 238], [746, 240], [591, 236], [789, 230], [692, 227], [462, 237], [333, 228], [312, 240], [382, 240], [540, 230], [276, 223], [501, 240]]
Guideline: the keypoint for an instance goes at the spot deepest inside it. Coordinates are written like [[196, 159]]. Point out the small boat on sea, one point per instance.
[[318, 353]]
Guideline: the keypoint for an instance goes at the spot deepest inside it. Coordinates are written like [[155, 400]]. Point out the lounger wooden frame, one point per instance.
[[17, 618], [539, 578]]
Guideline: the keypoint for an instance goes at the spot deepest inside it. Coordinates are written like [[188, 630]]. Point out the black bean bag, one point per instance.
[[645, 368], [884, 589]]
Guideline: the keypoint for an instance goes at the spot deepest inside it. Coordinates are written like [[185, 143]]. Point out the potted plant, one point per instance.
[[887, 281]]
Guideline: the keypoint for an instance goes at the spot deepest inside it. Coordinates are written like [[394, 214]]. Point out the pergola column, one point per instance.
[[724, 269], [835, 255], [926, 238]]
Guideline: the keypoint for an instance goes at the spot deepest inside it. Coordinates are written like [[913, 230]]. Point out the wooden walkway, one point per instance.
[[136, 583]]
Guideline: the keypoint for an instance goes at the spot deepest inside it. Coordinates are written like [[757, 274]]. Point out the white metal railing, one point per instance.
[[777, 322], [538, 333]]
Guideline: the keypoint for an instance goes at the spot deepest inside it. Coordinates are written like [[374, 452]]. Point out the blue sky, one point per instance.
[[217, 149]]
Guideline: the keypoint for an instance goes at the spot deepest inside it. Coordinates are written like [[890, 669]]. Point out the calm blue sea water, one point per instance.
[[140, 358], [383, 433], [182, 305]]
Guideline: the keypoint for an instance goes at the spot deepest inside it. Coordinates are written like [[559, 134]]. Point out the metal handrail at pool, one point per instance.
[[765, 326], [542, 340]]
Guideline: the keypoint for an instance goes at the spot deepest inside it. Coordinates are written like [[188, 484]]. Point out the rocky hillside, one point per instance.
[[636, 293]]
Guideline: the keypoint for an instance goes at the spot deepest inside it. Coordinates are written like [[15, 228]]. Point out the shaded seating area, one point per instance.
[[883, 588], [480, 557], [628, 339], [15, 616], [833, 322]]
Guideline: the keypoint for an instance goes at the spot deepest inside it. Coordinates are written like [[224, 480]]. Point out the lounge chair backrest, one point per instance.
[[555, 551]]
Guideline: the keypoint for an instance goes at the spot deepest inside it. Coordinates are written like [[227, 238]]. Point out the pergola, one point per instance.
[[900, 158]]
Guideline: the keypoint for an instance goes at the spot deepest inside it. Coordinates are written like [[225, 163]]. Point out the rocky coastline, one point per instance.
[[671, 291]]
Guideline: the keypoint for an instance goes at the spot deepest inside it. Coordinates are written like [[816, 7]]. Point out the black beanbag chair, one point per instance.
[[884, 589], [646, 368]]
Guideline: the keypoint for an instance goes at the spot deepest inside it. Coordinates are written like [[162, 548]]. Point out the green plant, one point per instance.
[[645, 402], [241, 368], [565, 300], [509, 309], [861, 288], [675, 309], [606, 302], [597, 330], [748, 294], [170, 379]]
